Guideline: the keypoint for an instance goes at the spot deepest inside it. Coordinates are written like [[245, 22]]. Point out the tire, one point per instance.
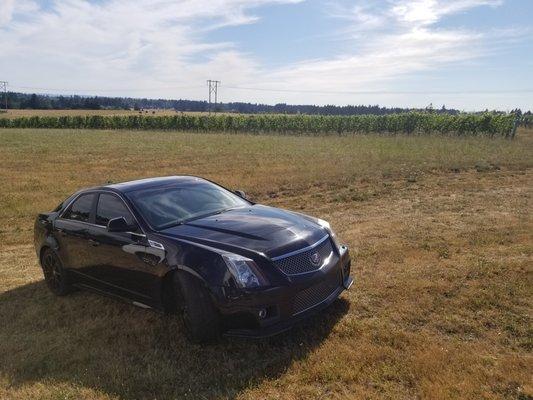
[[55, 275], [199, 316]]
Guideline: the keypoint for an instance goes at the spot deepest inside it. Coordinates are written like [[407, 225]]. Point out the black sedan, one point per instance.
[[188, 246]]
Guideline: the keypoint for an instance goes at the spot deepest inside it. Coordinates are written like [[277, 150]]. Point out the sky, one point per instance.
[[465, 54]]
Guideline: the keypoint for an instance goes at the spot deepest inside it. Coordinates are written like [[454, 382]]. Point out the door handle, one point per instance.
[[94, 242]]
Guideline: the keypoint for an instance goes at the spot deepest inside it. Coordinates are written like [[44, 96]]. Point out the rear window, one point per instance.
[[59, 207], [80, 209]]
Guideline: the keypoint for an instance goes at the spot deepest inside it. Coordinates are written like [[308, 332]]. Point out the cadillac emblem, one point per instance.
[[315, 259]]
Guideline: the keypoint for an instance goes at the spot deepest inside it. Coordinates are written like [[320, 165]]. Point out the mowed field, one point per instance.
[[440, 231]]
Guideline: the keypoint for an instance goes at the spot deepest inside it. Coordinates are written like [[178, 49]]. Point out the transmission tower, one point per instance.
[[213, 91], [3, 88]]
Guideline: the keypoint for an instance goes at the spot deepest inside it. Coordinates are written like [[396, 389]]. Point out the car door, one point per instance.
[[71, 230], [120, 262]]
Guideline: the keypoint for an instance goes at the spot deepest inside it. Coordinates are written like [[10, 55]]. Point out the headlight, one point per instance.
[[245, 271], [327, 227]]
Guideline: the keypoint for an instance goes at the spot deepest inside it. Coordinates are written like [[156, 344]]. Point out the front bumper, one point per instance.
[[271, 311]]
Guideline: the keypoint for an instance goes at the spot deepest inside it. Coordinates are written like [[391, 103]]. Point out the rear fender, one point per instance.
[[49, 242]]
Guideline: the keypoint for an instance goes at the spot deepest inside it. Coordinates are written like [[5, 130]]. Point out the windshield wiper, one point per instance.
[[170, 224], [209, 214], [184, 221]]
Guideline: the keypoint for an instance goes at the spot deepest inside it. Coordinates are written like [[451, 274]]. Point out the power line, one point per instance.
[[104, 90], [379, 92], [213, 89]]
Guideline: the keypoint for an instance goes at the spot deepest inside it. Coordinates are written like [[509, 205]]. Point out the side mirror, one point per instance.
[[241, 194], [119, 225]]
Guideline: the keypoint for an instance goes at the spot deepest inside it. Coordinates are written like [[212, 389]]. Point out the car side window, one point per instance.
[[80, 209], [109, 207]]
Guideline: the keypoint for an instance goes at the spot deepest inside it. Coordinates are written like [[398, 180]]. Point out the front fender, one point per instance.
[[203, 262], [205, 265]]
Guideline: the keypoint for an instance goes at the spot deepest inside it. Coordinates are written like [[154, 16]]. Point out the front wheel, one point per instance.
[[199, 316], [55, 275]]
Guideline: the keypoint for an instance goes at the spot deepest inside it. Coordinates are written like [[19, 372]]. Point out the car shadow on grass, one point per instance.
[[88, 342]]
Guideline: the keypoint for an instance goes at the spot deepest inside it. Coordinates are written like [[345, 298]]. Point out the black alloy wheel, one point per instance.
[[54, 274]]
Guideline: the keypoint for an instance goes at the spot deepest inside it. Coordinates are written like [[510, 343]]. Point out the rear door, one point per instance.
[[120, 258], [71, 230]]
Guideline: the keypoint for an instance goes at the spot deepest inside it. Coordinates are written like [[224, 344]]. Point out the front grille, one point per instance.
[[301, 263], [314, 295]]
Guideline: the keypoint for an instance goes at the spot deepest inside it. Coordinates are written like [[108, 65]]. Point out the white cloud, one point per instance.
[[123, 44], [386, 57], [427, 12], [6, 11], [387, 44], [9, 9], [157, 48], [361, 16]]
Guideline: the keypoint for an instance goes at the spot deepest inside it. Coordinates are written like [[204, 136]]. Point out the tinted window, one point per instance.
[[171, 205], [80, 210], [109, 207]]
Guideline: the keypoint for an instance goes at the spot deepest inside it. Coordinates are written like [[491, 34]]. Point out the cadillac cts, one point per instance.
[[186, 245]]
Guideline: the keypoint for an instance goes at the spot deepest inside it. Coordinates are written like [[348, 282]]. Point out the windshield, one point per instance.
[[167, 206]]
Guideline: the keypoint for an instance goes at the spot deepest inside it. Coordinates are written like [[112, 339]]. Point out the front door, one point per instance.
[[120, 262]]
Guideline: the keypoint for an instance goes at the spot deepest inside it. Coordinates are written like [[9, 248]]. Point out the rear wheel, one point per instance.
[[199, 316], [55, 275]]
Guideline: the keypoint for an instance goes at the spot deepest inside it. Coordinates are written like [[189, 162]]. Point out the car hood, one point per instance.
[[262, 229]]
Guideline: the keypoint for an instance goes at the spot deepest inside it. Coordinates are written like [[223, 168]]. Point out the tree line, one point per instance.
[[59, 102]]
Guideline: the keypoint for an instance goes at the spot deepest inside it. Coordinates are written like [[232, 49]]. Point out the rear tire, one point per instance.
[[199, 316], [55, 275]]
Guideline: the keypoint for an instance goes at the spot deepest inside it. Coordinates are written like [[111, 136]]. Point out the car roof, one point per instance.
[[129, 186]]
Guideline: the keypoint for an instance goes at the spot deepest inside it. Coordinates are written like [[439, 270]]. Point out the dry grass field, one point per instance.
[[440, 230]]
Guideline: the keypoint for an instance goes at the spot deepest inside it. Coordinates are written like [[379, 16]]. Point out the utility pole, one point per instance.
[[3, 87], [213, 90]]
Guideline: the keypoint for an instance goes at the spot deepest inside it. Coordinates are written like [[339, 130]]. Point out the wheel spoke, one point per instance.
[[52, 270]]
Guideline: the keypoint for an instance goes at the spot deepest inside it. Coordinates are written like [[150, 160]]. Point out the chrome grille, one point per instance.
[[314, 295], [301, 262]]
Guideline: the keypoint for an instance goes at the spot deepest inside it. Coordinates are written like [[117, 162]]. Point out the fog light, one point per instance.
[[262, 313]]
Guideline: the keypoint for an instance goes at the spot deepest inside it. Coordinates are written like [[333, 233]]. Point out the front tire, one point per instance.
[[55, 275], [199, 316]]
